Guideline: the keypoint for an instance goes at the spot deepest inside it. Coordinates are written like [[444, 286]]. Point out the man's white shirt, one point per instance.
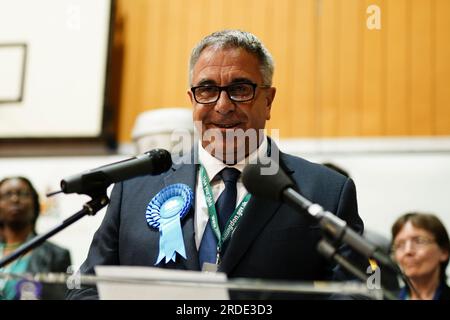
[[213, 166]]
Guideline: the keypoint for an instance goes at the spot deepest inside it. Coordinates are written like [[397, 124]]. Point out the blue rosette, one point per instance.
[[164, 212]]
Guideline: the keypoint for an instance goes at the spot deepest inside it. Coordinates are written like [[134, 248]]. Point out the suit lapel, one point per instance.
[[256, 215], [186, 173]]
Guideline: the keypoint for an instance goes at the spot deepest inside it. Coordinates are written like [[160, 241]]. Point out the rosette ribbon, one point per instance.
[[164, 212]]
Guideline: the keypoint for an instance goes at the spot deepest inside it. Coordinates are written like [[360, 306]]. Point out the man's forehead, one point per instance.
[[234, 80], [238, 64]]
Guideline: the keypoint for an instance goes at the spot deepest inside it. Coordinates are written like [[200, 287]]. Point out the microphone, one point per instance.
[[280, 187], [151, 162]]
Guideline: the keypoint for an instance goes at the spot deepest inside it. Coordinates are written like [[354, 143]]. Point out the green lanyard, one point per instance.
[[232, 221]]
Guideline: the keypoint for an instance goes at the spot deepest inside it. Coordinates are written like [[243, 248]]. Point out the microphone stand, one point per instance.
[[98, 201], [330, 252], [338, 229]]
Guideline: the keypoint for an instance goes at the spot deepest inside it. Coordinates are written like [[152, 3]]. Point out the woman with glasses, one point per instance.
[[421, 247], [19, 210]]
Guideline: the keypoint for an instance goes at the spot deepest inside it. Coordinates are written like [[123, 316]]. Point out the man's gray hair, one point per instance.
[[226, 39]]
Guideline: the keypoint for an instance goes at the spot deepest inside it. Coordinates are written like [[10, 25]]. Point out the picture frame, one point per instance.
[[56, 96]]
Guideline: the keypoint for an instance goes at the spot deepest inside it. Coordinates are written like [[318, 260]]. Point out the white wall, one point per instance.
[[389, 183], [392, 176]]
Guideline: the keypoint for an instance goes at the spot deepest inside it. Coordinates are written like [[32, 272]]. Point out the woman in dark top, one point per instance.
[[19, 210], [421, 247]]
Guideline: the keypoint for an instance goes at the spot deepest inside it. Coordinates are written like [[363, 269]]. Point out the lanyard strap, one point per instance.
[[234, 218]]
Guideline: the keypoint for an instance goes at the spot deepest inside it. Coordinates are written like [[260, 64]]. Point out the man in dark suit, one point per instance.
[[231, 92]]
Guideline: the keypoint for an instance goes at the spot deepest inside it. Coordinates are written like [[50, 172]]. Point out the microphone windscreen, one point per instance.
[[261, 184], [161, 160]]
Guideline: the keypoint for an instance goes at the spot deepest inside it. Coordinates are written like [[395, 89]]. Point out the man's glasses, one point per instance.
[[237, 92], [22, 194], [415, 243]]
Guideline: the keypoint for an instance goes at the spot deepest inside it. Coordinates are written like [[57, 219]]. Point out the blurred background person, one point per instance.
[[19, 210], [337, 168], [421, 247], [165, 128]]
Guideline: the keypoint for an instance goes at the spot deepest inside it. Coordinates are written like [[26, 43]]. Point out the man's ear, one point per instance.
[[270, 96], [189, 93], [269, 99]]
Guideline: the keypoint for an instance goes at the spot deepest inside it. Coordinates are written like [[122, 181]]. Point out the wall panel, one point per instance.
[[334, 76]]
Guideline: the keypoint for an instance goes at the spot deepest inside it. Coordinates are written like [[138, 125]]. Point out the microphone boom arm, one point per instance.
[[338, 229]]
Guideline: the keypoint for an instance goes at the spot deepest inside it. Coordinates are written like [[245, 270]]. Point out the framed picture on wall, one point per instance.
[[54, 67], [13, 58]]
